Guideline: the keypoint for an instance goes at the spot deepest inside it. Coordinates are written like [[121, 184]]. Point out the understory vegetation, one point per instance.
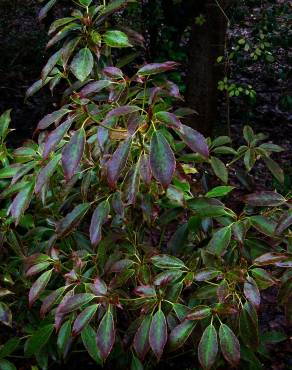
[[127, 236]]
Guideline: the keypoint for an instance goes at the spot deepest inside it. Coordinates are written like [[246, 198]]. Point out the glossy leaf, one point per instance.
[[38, 286], [49, 301], [206, 274], [199, 313], [105, 336], [88, 336], [51, 118], [229, 345], [194, 140], [94, 87], [251, 292], [141, 339], [269, 259], [219, 191], [265, 199], [99, 218], [38, 339], [21, 202], [219, 169], [83, 319], [208, 347], [116, 39], [45, 9], [158, 333], [72, 153], [169, 118], [154, 68], [162, 160], [82, 64], [55, 137], [180, 334], [65, 226], [46, 173], [76, 301], [165, 261], [220, 241]]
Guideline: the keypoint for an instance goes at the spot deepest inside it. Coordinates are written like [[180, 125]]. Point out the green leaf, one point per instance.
[[136, 364], [219, 191], [53, 60], [82, 64], [65, 226], [251, 292], [158, 333], [168, 118], [88, 336], [38, 339], [38, 286], [72, 153], [46, 173], [6, 365], [9, 347], [180, 334], [199, 313], [85, 3], [64, 336], [208, 347], [9, 171], [220, 241], [263, 224], [5, 120], [105, 336], [116, 39], [162, 160], [219, 169], [284, 222], [141, 339], [99, 218], [21, 202], [248, 134], [275, 169], [44, 10], [76, 302], [273, 337], [83, 319], [248, 328], [49, 301], [229, 344], [165, 261], [51, 118]]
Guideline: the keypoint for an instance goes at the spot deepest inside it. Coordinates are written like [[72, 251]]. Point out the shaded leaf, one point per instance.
[[72, 153], [229, 344], [105, 336], [251, 292], [220, 241], [65, 226], [99, 218], [275, 169], [75, 302], [46, 173], [88, 336], [199, 313], [55, 137], [180, 334], [38, 339], [51, 118], [83, 319], [219, 169], [158, 333], [5, 314], [21, 202], [38, 286], [141, 339], [208, 347], [165, 261], [154, 68], [265, 199], [194, 140]]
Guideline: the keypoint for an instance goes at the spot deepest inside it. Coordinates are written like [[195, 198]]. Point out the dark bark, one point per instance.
[[206, 44]]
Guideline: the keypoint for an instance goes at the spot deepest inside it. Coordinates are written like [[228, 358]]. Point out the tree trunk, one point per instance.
[[206, 44]]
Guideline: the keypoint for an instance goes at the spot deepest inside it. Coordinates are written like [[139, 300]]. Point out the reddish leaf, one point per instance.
[[141, 339], [75, 302], [158, 333], [105, 336], [99, 218], [49, 301], [94, 87], [98, 287], [167, 277], [118, 162], [83, 319], [33, 270], [284, 222], [251, 292], [145, 291], [162, 160], [72, 153], [154, 68], [206, 274], [269, 259], [265, 199], [248, 328], [21, 202], [199, 313], [113, 72], [208, 347], [122, 111], [38, 286], [194, 140], [51, 118], [169, 118], [145, 169], [56, 136], [65, 226], [229, 344]]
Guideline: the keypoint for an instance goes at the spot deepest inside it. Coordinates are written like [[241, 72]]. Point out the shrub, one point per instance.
[[110, 222]]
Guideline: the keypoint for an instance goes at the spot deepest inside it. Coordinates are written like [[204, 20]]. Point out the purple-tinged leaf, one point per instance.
[[68, 50], [284, 222], [208, 347], [51, 118], [251, 292], [118, 162], [162, 160], [155, 68], [199, 313], [206, 274], [58, 314], [145, 169], [21, 202], [194, 140], [220, 241], [145, 291], [264, 225], [72, 153], [167, 277], [94, 87], [45, 173], [229, 345], [269, 259], [121, 265], [105, 336], [39, 286], [141, 339], [99, 287], [170, 119], [113, 72], [35, 269], [158, 333], [122, 111], [53, 60], [5, 314], [164, 261], [98, 219], [49, 301], [265, 199], [24, 169], [71, 220], [83, 319], [180, 334], [56, 136], [75, 302], [132, 184]]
